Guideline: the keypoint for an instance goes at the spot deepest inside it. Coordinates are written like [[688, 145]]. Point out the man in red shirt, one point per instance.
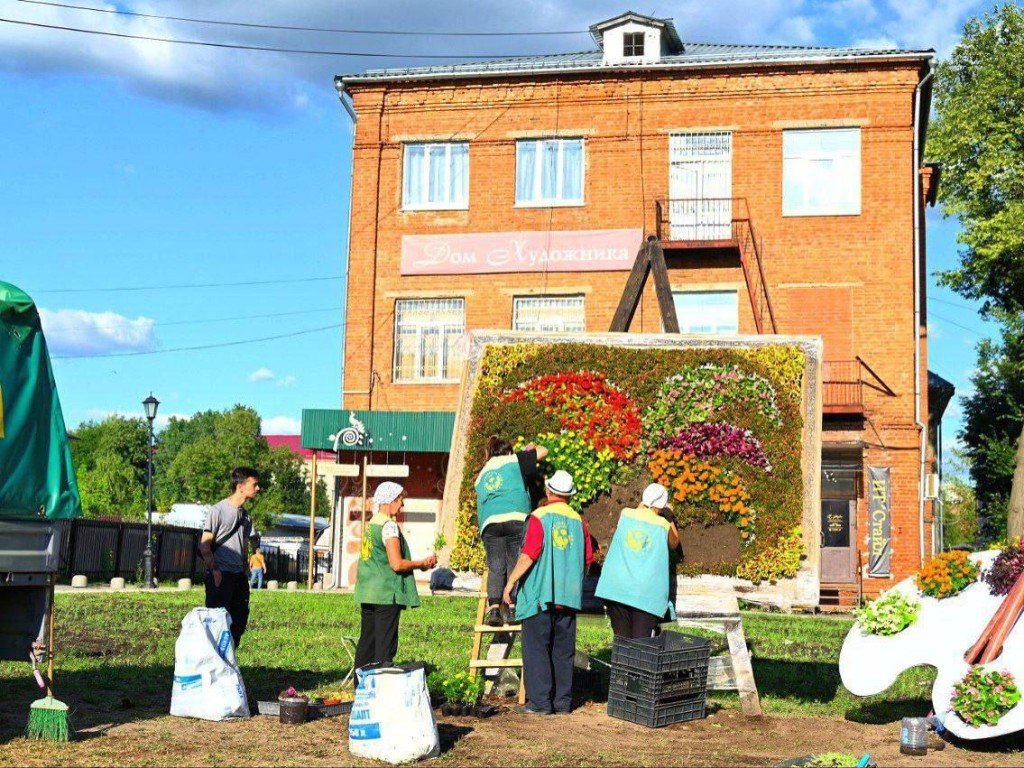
[[556, 551]]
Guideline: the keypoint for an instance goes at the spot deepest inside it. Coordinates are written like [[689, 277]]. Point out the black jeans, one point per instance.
[[502, 543], [631, 622], [232, 594], [378, 635], [549, 649]]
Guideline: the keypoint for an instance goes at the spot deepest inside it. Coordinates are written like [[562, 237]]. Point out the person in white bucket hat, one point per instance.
[[556, 551], [384, 578], [634, 581]]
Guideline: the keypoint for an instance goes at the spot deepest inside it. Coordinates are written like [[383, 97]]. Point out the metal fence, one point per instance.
[[103, 549]]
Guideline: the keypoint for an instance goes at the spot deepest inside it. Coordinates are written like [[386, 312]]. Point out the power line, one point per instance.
[[958, 325], [191, 285], [247, 317], [343, 31], [271, 49], [953, 303], [203, 346]]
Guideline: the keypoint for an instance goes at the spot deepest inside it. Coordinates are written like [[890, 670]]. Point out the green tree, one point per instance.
[[110, 463], [959, 504], [978, 136]]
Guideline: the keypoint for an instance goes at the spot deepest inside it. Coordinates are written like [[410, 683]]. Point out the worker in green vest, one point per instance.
[[502, 506], [556, 551], [384, 579], [634, 581]]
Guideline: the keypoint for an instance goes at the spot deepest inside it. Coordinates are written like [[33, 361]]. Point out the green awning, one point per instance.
[[415, 431]]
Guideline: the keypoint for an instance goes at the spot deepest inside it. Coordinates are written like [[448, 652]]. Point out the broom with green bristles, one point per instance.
[[48, 718]]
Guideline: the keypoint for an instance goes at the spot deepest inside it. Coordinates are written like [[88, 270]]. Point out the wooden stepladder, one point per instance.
[[498, 653], [650, 258], [721, 613]]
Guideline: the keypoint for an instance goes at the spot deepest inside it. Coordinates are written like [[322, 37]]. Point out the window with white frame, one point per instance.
[[436, 176], [564, 314], [633, 44], [549, 172], [821, 172], [427, 332], [707, 311]]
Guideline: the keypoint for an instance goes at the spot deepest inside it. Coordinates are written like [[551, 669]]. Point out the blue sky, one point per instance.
[[129, 164]]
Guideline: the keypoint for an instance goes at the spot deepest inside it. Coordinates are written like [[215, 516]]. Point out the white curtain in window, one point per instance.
[[459, 187], [821, 172], [437, 186], [707, 311], [549, 174], [526, 169], [572, 174], [415, 159]]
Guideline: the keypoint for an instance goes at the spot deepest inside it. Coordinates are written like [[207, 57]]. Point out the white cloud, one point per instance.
[[881, 42], [261, 374], [281, 425], [287, 381], [934, 330], [930, 23], [80, 333]]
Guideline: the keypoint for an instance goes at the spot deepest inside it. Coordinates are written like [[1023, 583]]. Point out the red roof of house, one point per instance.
[[294, 444]]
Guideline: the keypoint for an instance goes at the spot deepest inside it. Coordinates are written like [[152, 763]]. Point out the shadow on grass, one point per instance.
[[805, 681], [110, 695], [880, 712], [450, 735]]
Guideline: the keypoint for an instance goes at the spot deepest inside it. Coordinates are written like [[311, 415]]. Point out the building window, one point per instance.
[[436, 176], [563, 314], [633, 44], [427, 332], [549, 172], [821, 172], [707, 311]]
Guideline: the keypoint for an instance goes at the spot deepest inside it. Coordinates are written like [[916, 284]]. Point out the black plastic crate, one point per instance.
[[641, 710], [668, 652], [680, 682]]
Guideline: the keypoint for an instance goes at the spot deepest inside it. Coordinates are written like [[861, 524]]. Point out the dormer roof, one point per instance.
[[668, 29]]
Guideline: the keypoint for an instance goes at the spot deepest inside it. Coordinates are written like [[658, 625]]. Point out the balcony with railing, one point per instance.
[[844, 383], [722, 224]]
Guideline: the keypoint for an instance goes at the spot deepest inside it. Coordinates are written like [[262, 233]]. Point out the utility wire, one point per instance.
[[190, 285], [203, 346], [953, 303], [247, 317], [270, 49], [252, 25], [958, 325]]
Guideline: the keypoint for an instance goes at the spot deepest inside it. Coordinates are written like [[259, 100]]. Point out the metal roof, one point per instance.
[[667, 27], [694, 56], [413, 431]]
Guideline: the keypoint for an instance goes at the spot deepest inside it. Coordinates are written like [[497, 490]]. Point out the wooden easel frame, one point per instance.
[[650, 258]]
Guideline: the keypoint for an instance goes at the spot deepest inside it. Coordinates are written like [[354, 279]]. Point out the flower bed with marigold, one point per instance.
[[722, 428], [947, 574]]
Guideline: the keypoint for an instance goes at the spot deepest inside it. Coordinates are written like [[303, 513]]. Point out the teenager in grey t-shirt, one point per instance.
[[232, 555]]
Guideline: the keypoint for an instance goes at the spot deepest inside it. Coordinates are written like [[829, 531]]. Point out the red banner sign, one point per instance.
[[596, 250]]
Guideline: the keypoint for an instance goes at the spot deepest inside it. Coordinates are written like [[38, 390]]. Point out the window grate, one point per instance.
[[562, 314], [427, 332]]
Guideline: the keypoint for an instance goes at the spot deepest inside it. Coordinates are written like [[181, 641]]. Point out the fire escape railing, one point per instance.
[[697, 221]]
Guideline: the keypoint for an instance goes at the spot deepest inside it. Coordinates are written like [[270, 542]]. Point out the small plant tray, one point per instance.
[[668, 652], [273, 709]]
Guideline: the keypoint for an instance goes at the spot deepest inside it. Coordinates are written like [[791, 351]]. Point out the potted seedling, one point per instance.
[[294, 706], [462, 692]]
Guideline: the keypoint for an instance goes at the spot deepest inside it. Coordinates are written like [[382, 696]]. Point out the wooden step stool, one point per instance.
[[479, 630]]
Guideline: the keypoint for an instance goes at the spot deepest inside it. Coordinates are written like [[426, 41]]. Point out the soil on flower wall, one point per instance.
[[708, 547]]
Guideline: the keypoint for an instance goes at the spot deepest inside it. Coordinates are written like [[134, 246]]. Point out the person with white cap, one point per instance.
[[556, 551], [634, 581], [384, 578]]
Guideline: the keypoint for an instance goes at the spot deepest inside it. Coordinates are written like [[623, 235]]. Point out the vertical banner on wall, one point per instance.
[[880, 520]]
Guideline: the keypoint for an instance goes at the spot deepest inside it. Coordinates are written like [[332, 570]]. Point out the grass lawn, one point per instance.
[[116, 657]]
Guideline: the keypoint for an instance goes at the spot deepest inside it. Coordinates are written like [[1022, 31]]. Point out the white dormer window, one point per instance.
[[633, 44]]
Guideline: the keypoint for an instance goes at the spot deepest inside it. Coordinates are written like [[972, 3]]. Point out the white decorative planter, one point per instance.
[[115, 583], [273, 586], [293, 586], [318, 587], [184, 584], [79, 581]]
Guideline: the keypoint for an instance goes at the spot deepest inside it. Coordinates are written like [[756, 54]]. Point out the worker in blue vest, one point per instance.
[[556, 551], [634, 581], [502, 506]]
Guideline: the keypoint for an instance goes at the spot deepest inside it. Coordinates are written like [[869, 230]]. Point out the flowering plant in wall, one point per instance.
[[1005, 569], [890, 614], [592, 470], [718, 439], [983, 697], [947, 574]]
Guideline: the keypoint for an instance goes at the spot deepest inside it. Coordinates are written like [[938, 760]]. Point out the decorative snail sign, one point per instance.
[[351, 436]]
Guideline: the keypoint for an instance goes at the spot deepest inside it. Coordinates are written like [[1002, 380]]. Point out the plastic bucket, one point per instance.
[[293, 711]]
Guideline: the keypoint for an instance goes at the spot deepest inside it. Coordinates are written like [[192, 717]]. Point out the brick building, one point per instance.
[[786, 186]]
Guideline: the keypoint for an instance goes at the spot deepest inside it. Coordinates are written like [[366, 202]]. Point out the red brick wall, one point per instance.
[[847, 278]]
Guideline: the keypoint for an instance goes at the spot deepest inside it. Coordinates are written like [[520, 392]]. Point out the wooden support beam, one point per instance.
[[631, 294], [662, 287]]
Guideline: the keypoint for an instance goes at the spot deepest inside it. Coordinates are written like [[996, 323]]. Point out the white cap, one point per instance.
[[387, 492], [655, 496], [561, 483]]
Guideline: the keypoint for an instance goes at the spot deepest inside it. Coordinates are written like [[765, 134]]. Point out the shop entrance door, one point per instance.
[[838, 541]]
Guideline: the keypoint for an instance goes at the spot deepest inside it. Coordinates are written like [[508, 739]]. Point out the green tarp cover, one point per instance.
[[37, 480]]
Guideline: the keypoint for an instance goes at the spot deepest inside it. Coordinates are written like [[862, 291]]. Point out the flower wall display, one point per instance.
[[947, 574], [983, 697], [888, 615], [722, 428]]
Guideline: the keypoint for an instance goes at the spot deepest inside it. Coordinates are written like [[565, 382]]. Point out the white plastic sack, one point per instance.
[[207, 682], [391, 717]]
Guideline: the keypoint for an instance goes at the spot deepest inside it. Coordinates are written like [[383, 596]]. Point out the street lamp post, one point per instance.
[[150, 404]]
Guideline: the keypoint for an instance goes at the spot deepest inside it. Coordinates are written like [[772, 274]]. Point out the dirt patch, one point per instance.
[[585, 737], [80, 641], [711, 546], [603, 515]]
